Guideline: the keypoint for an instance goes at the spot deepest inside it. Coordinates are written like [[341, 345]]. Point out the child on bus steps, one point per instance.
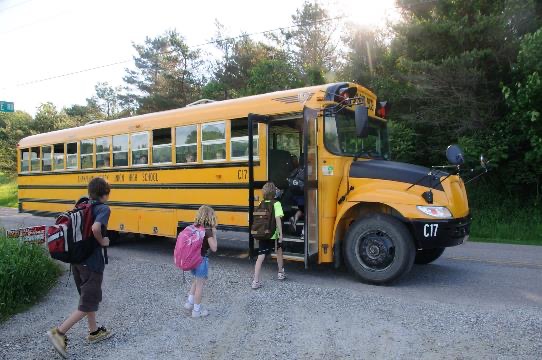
[[88, 275], [266, 246], [206, 219]]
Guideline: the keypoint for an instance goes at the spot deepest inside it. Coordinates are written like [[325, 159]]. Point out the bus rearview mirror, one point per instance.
[[362, 121]]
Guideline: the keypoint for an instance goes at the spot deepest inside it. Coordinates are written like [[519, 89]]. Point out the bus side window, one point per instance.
[[35, 159], [186, 144], [103, 146], [71, 155], [46, 158], [213, 141], [120, 150], [24, 159], [161, 146], [239, 139], [58, 156], [140, 148], [87, 154]]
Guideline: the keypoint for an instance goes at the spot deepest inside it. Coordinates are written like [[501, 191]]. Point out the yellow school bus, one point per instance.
[[356, 207]]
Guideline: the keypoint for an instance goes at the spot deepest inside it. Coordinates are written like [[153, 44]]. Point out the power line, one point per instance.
[[26, 83]]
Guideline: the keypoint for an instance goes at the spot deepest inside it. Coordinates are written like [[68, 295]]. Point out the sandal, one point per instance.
[[256, 285], [281, 275]]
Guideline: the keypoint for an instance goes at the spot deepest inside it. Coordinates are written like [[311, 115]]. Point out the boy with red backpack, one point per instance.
[[88, 273], [267, 229], [191, 253]]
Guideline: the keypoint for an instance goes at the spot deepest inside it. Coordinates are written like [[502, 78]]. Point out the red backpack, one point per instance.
[[71, 239], [187, 254]]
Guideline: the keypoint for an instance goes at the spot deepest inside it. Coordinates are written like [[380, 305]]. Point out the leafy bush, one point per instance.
[[8, 190], [26, 273]]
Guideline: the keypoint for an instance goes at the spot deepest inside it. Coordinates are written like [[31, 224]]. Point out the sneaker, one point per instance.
[[101, 334], [188, 306], [59, 341], [256, 285], [201, 313], [293, 226], [281, 275]]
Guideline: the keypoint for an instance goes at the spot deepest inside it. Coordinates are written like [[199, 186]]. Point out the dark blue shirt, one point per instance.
[[96, 261]]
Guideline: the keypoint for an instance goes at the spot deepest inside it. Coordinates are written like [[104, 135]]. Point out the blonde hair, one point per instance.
[[206, 217], [269, 190]]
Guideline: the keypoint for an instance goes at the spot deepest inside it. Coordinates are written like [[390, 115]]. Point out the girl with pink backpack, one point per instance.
[[191, 253]]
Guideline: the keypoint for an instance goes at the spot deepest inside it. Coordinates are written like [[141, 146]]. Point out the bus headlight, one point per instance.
[[441, 212]]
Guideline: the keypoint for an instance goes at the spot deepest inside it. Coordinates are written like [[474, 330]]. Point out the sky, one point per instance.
[[40, 39]]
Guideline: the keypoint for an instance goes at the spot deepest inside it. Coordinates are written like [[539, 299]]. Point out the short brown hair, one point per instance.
[[269, 191], [98, 187]]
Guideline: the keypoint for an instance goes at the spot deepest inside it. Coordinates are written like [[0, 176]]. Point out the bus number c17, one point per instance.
[[242, 174]]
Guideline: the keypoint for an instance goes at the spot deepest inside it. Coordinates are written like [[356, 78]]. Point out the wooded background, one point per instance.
[[455, 71]]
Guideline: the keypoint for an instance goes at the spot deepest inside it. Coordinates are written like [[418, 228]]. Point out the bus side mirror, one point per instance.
[[362, 121]]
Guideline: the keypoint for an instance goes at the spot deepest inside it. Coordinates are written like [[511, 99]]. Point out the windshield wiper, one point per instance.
[[367, 154]]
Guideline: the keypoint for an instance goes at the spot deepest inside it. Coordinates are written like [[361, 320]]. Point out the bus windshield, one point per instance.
[[340, 136]]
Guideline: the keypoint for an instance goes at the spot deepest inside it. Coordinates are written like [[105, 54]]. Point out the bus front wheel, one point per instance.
[[427, 256], [379, 249]]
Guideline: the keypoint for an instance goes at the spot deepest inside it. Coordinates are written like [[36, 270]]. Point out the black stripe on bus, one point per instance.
[[231, 208], [237, 228], [257, 184], [143, 168]]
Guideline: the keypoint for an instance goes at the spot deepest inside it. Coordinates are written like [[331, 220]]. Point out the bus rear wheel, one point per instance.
[[379, 249], [427, 256]]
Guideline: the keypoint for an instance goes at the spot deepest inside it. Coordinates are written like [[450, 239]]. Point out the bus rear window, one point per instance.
[[24, 160], [186, 139], [35, 159], [103, 146], [161, 146], [140, 148], [87, 154], [213, 141], [46, 158], [58, 156], [120, 150], [71, 155], [239, 139]]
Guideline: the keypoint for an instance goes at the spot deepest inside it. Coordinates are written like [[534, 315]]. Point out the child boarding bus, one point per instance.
[[355, 206]]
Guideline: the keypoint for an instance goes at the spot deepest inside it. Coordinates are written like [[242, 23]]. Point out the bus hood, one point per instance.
[[396, 171]]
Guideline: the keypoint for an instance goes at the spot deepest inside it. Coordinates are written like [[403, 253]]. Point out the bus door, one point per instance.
[[253, 119], [310, 153]]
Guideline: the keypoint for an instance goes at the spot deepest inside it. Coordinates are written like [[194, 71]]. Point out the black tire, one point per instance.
[[379, 249], [114, 237], [427, 256]]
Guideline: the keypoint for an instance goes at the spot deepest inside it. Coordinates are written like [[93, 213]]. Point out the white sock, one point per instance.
[[191, 299], [197, 307]]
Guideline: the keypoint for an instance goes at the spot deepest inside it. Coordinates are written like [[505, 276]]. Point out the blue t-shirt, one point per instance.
[[96, 261]]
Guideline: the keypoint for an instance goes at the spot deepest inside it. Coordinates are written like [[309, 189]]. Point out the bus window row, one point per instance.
[[154, 147]]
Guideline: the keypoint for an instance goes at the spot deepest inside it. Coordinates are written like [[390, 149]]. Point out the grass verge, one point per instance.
[[8, 190], [26, 274]]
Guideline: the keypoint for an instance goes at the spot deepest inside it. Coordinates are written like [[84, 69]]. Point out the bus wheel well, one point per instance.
[[355, 212]]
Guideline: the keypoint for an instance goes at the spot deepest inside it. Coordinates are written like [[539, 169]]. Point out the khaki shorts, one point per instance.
[[89, 286]]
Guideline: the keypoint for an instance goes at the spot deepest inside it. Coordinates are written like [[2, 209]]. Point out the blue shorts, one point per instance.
[[202, 271]]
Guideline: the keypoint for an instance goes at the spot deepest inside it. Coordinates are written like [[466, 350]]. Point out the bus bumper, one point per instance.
[[430, 234]]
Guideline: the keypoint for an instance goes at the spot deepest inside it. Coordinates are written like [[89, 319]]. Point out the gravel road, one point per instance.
[[479, 301]]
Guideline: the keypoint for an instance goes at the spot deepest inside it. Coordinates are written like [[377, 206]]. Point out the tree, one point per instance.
[[13, 127], [312, 44], [272, 75], [167, 75]]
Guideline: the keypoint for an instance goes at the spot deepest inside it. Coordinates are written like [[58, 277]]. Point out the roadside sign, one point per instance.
[[6, 106], [33, 234]]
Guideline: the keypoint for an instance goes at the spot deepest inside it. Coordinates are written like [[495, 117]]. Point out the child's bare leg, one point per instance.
[[280, 260], [91, 318], [193, 287], [73, 319], [258, 267], [199, 283]]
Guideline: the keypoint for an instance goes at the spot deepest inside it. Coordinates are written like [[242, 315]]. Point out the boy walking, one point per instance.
[[266, 246], [88, 275]]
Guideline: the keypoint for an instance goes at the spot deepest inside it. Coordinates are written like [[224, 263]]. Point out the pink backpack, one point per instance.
[[187, 254]]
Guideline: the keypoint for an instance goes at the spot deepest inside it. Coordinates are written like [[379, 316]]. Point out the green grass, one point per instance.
[[8, 190], [501, 218], [26, 274]]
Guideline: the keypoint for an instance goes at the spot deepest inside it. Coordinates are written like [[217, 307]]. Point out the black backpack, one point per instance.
[[264, 224]]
